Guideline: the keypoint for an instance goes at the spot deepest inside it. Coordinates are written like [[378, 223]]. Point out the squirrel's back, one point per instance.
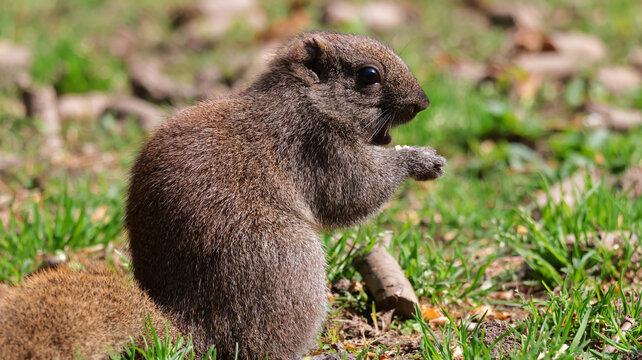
[[66, 313]]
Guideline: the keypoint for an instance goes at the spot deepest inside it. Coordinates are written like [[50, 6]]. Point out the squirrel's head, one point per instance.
[[356, 81]]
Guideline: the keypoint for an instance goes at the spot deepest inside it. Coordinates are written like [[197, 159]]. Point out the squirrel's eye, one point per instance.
[[368, 76]]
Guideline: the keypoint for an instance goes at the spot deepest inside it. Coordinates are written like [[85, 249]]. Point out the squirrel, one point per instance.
[[226, 200]]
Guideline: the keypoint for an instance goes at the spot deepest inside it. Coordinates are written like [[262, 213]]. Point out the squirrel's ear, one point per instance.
[[311, 52]]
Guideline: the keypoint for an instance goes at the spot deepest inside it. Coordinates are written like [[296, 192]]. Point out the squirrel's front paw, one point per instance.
[[423, 162]]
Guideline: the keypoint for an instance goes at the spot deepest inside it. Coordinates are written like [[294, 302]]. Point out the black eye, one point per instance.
[[368, 76]]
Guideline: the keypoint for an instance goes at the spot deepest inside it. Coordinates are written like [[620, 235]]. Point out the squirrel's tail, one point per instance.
[[65, 313]]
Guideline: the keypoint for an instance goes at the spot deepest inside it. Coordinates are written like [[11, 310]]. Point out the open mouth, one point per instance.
[[382, 137]]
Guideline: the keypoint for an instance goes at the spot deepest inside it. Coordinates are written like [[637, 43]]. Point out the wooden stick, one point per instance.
[[626, 325], [386, 280]]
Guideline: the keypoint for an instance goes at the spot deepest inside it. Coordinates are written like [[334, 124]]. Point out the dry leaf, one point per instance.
[[149, 82], [295, 22], [83, 106], [99, 213], [619, 79], [481, 310], [502, 315], [440, 321], [531, 40], [551, 65], [383, 15], [518, 14], [583, 48], [340, 12], [631, 182], [378, 15], [15, 61], [211, 19], [470, 71], [355, 287], [506, 295], [568, 189], [41, 102], [458, 352], [430, 313], [149, 115], [605, 116], [13, 56]]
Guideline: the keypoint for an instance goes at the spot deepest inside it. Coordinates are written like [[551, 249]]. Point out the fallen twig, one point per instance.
[[626, 325], [386, 280]]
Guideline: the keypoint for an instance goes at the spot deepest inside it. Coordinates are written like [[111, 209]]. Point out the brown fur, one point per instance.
[[224, 207], [64, 313], [227, 197]]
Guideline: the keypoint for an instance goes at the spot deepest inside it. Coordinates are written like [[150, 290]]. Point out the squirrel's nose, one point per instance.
[[422, 103]]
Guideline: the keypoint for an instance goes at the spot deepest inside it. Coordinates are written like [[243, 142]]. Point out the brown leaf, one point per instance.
[[383, 15], [9, 161], [149, 115], [511, 14], [527, 88], [440, 321], [15, 61], [341, 12], [355, 286], [211, 19], [470, 71], [619, 79], [610, 240], [41, 102], [551, 65], [124, 43], [631, 182], [13, 56], [567, 189], [582, 48], [149, 82], [531, 40], [295, 22], [93, 105], [605, 116], [83, 106], [481, 310], [430, 313], [377, 15], [99, 213]]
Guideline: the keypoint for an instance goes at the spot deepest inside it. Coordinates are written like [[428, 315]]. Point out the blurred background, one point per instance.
[[536, 104]]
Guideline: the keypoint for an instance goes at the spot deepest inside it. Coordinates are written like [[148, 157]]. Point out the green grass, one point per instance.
[[56, 224], [446, 235], [562, 327], [162, 347]]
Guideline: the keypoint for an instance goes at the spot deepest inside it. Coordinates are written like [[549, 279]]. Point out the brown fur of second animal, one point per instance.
[[227, 197], [65, 313]]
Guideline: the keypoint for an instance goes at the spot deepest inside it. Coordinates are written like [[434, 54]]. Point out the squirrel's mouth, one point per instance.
[[392, 119], [382, 137]]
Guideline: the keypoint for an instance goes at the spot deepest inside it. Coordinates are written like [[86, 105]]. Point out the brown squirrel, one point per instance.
[[225, 203]]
